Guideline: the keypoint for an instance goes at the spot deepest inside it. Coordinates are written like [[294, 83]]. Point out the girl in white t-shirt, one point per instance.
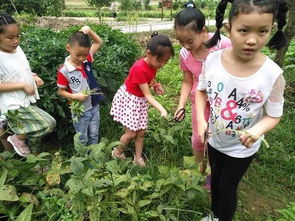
[[18, 91], [192, 33], [240, 84]]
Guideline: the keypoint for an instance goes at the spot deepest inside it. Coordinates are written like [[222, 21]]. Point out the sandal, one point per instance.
[[19, 146], [116, 155], [139, 162]]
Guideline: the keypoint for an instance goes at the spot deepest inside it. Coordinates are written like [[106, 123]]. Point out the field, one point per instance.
[[70, 182]]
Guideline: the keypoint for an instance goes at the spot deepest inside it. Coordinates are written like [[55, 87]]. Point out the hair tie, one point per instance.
[[155, 33], [190, 4]]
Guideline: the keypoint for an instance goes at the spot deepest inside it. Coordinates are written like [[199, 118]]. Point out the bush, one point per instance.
[[45, 50], [40, 7]]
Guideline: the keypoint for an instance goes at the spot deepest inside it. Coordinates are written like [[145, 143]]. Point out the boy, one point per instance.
[[75, 76]]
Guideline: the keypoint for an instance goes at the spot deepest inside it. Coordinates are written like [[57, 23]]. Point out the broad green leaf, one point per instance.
[[169, 138], [43, 154], [142, 203], [153, 213], [26, 214], [120, 178], [3, 176], [122, 193], [189, 162], [33, 159], [28, 198], [77, 166], [8, 193]]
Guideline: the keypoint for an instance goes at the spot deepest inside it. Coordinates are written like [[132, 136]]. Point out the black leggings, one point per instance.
[[226, 173]]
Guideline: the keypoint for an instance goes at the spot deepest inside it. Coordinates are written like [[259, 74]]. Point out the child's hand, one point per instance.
[[164, 113], [38, 80], [29, 89], [202, 128], [85, 29], [179, 115], [158, 88], [80, 96], [248, 138]]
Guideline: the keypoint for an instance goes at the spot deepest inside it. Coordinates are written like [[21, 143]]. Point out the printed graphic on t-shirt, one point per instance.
[[234, 110]]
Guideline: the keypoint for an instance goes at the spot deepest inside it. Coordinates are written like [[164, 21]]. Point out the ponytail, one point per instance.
[[279, 40], [220, 10]]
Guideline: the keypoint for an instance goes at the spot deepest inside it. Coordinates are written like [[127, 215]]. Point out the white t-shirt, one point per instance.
[[237, 103], [14, 67]]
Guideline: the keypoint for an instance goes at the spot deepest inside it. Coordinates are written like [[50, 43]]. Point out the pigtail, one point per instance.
[[279, 40], [5, 19], [220, 10], [155, 33]]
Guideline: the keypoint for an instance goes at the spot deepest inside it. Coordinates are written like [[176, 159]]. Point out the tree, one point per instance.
[[35, 7], [99, 4], [289, 33]]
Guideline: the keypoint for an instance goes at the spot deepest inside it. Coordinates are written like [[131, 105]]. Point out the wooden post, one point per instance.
[[162, 10]]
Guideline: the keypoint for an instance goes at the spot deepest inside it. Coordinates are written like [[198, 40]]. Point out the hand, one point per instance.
[[177, 114], [248, 138], [158, 89], [164, 113], [38, 80], [29, 89], [80, 96], [85, 29], [202, 128]]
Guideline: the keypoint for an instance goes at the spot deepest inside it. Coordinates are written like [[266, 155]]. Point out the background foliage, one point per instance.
[[45, 50], [40, 7]]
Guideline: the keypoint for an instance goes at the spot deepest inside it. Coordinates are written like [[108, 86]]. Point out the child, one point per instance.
[[18, 91], [240, 82], [75, 77], [130, 103], [191, 32]]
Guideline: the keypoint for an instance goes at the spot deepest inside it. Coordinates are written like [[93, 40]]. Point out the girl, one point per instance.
[[240, 82], [130, 103], [18, 91], [192, 34]]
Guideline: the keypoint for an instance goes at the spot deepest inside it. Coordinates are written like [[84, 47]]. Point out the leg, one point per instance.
[[231, 174], [3, 138], [138, 148], [226, 174], [82, 127], [34, 124], [93, 130], [197, 146], [125, 139], [216, 163]]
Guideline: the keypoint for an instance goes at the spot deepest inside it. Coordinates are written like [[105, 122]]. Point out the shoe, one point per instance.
[[207, 185], [116, 155], [19, 146], [209, 218], [139, 162]]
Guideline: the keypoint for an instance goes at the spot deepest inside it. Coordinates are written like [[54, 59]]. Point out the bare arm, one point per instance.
[[13, 86], [186, 88], [77, 96], [146, 92], [264, 125], [201, 98], [97, 41]]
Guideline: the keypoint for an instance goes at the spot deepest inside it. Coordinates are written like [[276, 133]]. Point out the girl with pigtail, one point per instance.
[[245, 90], [192, 33], [130, 103]]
